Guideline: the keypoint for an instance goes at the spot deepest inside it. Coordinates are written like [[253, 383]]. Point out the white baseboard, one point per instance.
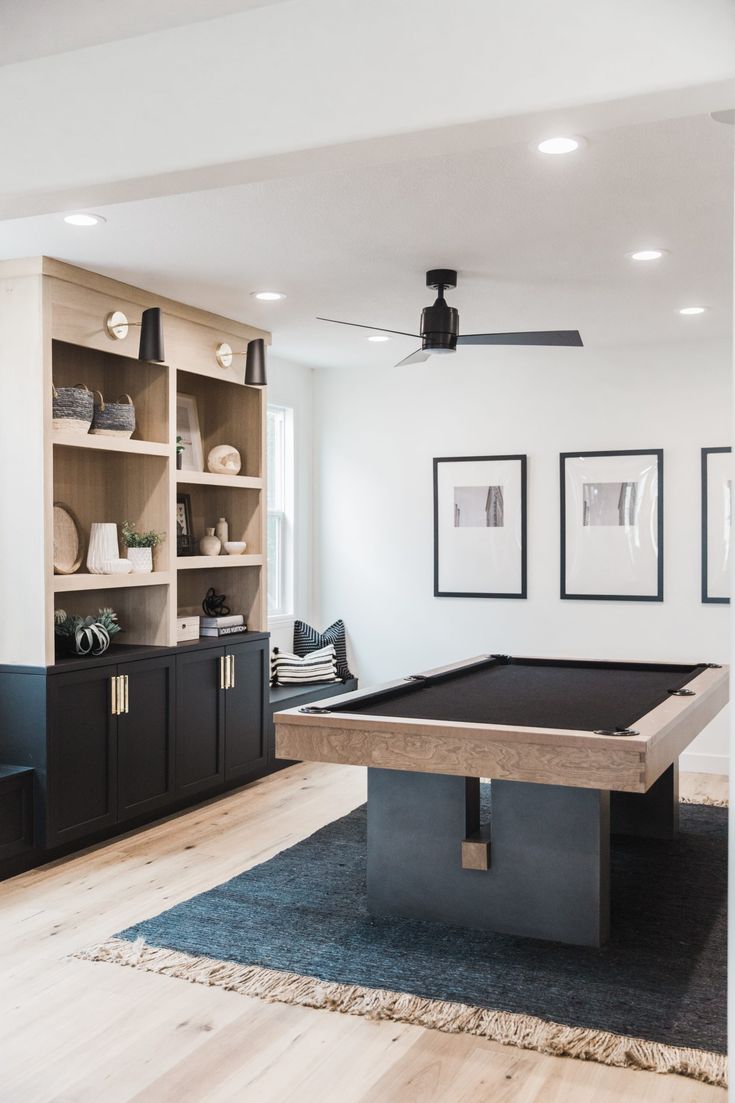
[[705, 763]]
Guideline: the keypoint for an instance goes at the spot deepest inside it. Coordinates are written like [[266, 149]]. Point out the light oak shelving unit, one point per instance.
[[52, 330]]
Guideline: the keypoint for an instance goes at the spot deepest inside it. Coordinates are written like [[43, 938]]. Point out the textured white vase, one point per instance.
[[103, 546], [141, 560]]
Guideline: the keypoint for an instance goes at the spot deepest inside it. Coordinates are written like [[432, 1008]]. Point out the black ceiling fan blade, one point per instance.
[[416, 357], [378, 329], [568, 337]]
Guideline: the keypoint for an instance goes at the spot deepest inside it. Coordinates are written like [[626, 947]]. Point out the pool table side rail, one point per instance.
[[545, 755]]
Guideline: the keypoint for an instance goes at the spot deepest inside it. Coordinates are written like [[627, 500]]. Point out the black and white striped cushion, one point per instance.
[[307, 639], [318, 666]]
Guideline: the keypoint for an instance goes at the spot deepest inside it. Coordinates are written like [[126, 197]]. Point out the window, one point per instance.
[[279, 442]]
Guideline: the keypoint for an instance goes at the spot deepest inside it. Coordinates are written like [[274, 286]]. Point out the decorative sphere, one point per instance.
[[224, 460]]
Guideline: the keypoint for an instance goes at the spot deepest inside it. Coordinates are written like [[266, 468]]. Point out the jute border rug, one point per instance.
[[508, 1028]]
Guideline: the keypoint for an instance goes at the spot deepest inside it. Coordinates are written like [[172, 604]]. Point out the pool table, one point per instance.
[[575, 751]]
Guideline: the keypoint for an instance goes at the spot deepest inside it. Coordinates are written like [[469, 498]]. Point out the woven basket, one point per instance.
[[72, 408], [114, 419]]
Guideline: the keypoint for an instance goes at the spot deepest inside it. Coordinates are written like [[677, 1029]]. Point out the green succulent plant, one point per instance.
[[135, 539]]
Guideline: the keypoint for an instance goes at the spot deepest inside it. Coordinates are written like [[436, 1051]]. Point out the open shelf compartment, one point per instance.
[[142, 612], [241, 508], [113, 376], [228, 414], [242, 590]]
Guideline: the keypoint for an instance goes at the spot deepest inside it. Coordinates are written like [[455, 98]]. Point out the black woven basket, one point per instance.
[[72, 408], [114, 419]]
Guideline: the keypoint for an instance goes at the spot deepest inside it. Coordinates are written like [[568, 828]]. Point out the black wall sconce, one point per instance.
[[255, 374], [151, 332]]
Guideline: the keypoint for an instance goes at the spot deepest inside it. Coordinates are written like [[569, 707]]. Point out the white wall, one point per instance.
[[292, 385], [376, 434]]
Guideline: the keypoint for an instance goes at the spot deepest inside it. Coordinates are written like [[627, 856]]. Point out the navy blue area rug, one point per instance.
[[296, 929]]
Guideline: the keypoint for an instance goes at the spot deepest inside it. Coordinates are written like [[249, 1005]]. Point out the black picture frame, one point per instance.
[[184, 540], [706, 599], [522, 459], [563, 592]]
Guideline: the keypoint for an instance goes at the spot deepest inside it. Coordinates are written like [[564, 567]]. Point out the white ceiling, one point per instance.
[[40, 28], [539, 243]]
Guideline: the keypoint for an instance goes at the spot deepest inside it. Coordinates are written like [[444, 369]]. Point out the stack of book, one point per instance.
[[222, 626]]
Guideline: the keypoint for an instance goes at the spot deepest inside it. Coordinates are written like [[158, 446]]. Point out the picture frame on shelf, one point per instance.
[[716, 524], [612, 525], [480, 526], [185, 544], [187, 428]]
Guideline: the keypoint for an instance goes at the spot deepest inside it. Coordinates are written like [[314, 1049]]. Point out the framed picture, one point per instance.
[[612, 525], [716, 524], [184, 530], [187, 427], [480, 526]]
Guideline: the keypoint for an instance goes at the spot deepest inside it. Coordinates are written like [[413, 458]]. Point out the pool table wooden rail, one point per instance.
[[545, 755]]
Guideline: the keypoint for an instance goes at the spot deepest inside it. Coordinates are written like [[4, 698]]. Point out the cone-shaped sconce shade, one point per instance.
[[255, 363], [151, 335]]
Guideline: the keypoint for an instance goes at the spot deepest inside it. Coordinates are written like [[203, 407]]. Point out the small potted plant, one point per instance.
[[77, 635], [140, 547], [179, 453]]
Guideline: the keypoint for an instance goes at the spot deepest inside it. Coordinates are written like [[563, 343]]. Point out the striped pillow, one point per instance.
[[292, 670], [306, 639]]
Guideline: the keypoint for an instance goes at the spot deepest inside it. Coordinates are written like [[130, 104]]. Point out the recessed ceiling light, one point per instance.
[[693, 310], [268, 296], [80, 219], [558, 145], [647, 254], [378, 337]]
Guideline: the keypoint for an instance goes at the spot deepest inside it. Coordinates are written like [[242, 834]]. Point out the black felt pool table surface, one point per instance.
[[533, 693]]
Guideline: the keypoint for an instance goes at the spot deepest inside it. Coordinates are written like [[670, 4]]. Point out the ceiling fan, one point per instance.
[[440, 326]]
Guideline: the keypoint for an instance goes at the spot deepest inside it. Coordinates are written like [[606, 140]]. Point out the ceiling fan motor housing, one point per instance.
[[439, 326]]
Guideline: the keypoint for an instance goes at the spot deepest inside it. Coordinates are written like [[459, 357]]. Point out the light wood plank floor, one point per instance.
[[81, 1032]]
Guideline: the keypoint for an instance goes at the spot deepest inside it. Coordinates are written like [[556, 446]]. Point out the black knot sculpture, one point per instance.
[[214, 604]]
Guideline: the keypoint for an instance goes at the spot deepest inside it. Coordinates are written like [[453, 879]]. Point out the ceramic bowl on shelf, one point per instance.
[[235, 547]]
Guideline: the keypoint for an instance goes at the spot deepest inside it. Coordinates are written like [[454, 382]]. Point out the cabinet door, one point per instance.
[[200, 721], [145, 737], [245, 730], [82, 763]]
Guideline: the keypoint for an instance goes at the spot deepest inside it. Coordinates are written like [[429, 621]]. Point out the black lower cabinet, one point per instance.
[[200, 720], [16, 811], [246, 752], [109, 744], [145, 738], [82, 755]]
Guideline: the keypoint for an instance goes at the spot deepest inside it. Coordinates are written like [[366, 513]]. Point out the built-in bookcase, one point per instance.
[[114, 479]]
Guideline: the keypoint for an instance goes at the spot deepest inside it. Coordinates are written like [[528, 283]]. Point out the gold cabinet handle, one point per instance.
[[223, 672], [113, 694], [125, 693], [232, 671]]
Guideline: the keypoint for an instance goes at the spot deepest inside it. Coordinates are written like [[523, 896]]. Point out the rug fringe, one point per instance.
[[508, 1028], [712, 802]]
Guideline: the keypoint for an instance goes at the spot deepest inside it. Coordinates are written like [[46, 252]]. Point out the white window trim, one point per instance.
[[285, 615]]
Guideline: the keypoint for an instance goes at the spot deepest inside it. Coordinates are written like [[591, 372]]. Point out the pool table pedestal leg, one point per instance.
[[549, 869], [651, 815]]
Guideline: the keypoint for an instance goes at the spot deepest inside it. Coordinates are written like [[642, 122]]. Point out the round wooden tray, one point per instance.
[[68, 540]]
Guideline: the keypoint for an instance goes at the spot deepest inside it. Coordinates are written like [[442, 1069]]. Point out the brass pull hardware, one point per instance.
[[223, 672], [125, 693], [113, 694], [232, 671]]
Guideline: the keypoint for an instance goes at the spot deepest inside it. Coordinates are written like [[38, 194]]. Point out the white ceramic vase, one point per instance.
[[141, 560], [210, 544], [222, 532], [103, 546]]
